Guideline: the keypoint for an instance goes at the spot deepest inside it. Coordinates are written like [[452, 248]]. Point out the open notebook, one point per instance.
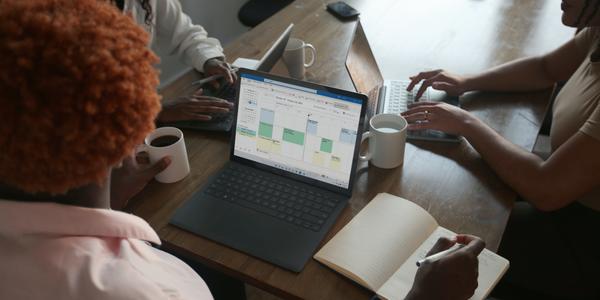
[[379, 248]]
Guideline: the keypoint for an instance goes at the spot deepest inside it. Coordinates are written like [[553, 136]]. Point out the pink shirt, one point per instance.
[[53, 251]]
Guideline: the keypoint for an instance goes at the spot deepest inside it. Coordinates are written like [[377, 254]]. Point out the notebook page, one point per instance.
[[375, 243], [491, 269]]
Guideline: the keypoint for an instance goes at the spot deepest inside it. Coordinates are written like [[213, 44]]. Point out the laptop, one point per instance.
[[266, 63], [389, 96], [226, 91], [293, 158]]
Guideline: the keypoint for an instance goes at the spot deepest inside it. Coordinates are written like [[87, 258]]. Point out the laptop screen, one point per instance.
[[305, 131]]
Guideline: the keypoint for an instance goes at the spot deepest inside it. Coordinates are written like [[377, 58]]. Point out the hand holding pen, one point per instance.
[[452, 275]]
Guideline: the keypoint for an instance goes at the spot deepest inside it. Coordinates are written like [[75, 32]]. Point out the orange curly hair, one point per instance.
[[77, 92]]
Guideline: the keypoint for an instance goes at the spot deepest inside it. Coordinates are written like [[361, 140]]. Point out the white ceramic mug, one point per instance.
[[387, 134], [294, 57], [174, 148]]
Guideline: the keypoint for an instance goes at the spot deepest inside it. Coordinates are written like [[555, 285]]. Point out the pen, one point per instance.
[[207, 79], [211, 78], [434, 257]]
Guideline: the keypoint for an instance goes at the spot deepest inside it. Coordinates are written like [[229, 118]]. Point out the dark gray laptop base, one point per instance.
[[253, 232]]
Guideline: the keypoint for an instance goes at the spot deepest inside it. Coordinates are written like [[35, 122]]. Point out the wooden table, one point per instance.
[[451, 181]]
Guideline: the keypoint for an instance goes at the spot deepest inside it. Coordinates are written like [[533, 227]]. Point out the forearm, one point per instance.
[[523, 171], [526, 74]]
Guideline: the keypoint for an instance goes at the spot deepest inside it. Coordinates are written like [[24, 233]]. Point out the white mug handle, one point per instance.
[[313, 51], [367, 155]]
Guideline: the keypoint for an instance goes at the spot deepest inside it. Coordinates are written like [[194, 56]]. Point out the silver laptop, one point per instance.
[[389, 96]]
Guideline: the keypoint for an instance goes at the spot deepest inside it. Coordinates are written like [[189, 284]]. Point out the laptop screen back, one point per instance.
[[275, 52], [303, 130], [363, 69]]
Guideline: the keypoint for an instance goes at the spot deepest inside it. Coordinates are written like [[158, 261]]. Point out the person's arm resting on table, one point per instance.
[[527, 74], [571, 171]]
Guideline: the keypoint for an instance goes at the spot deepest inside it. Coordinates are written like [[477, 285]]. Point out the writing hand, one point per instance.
[[453, 277]]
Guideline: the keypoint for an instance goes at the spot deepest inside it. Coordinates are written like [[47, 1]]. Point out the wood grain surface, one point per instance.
[[451, 181]]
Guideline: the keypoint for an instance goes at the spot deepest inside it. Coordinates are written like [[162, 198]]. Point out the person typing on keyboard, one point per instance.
[[560, 220], [166, 23]]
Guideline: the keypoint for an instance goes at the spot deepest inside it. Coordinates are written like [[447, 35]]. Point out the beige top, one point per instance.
[[577, 105]]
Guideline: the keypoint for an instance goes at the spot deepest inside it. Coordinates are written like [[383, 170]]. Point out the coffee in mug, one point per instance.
[[163, 141], [167, 141]]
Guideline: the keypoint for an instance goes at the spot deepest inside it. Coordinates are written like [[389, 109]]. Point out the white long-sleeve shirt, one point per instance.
[[174, 29]]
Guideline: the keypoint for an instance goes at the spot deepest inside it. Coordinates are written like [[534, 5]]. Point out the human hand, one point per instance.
[[439, 79], [131, 178], [196, 107], [438, 116], [451, 277], [217, 66]]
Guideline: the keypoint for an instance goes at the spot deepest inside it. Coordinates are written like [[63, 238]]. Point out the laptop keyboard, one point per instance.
[[275, 197], [398, 98], [227, 92], [223, 121]]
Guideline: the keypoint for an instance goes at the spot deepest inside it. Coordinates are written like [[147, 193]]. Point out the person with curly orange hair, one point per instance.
[[77, 94]]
